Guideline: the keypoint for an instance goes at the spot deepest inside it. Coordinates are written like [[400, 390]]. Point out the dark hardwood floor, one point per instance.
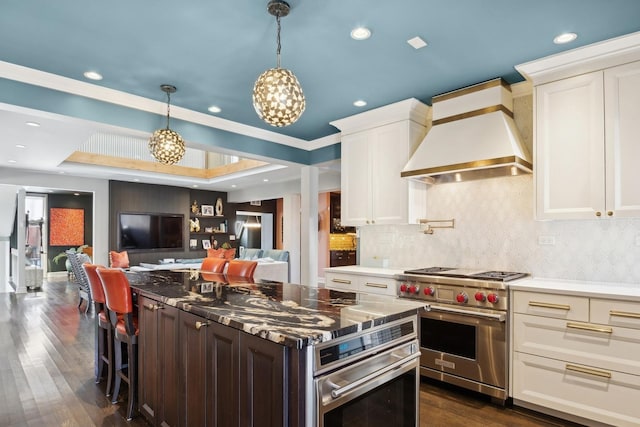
[[46, 373]]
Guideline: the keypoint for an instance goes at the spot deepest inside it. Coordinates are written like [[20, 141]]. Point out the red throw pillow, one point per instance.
[[215, 253], [229, 253], [119, 259]]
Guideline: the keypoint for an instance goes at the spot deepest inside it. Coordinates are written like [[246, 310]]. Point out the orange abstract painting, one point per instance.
[[66, 227]]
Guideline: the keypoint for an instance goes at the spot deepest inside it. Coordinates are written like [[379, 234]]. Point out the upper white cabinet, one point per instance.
[[587, 122], [376, 145]]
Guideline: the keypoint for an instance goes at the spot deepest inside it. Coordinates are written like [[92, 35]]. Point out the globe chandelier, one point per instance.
[[166, 145], [277, 94]]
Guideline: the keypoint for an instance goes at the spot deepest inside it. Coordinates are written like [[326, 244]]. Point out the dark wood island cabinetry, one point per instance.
[[214, 353]]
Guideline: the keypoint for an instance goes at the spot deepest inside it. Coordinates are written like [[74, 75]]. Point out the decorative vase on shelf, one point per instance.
[[195, 209], [219, 207]]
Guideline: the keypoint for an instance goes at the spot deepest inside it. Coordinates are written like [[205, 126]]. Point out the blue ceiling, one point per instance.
[[213, 51]]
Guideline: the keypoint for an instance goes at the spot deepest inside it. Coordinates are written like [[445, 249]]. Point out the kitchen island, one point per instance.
[[214, 350]]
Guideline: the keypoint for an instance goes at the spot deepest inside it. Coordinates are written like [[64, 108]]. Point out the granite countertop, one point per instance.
[[288, 314], [610, 290]]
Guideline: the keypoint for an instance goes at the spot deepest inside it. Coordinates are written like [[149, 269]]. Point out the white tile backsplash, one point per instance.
[[495, 229]]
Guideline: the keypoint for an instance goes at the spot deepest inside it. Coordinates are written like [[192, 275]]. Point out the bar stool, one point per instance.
[[104, 330], [242, 268], [120, 304], [213, 265]]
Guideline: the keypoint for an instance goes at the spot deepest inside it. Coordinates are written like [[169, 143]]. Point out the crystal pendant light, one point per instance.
[[166, 145], [277, 94]]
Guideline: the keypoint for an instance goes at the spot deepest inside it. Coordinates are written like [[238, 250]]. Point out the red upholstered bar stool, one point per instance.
[[104, 330], [213, 265], [120, 304], [242, 268]]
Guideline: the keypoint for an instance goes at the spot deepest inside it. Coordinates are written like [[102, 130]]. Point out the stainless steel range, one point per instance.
[[464, 330]]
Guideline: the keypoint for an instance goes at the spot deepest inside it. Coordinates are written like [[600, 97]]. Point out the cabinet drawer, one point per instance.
[[606, 396], [616, 313], [607, 347], [552, 305], [377, 285], [342, 282]]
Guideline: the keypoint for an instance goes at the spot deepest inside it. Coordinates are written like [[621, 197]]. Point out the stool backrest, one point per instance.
[[97, 291], [117, 291], [242, 268], [213, 265]]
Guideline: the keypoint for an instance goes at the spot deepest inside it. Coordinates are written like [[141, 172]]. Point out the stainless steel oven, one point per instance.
[[464, 329], [369, 378]]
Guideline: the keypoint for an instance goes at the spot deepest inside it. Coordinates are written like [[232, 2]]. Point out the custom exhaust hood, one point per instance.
[[473, 136]]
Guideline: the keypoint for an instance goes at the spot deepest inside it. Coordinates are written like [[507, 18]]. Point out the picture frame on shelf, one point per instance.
[[206, 244], [193, 243], [207, 210]]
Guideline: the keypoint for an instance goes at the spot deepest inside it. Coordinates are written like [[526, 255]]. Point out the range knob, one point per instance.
[[403, 287], [429, 291], [462, 298], [480, 297], [493, 298], [413, 289]]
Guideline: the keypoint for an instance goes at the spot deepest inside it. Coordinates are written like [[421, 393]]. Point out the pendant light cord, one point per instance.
[[278, 41], [168, 107]]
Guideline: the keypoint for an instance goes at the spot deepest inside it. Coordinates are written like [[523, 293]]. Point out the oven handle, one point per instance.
[[336, 393], [499, 317]]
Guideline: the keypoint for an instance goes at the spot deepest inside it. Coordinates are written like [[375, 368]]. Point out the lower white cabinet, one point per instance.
[[585, 364], [369, 284]]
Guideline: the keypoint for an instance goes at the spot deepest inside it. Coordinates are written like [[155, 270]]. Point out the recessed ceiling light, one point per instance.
[[214, 109], [233, 186], [61, 172], [417, 42], [360, 33], [76, 194], [360, 103], [32, 124], [20, 146], [136, 179], [93, 75], [195, 185], [265, 180], [565, 38], [12, 161]]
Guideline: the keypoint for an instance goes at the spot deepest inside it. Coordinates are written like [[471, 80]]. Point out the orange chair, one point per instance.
[[104, 334], [242, 268], [125, 323], [213, 265]]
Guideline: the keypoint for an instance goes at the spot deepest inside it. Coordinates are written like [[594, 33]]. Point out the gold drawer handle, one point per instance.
[[587, 327], [150, 307], [376, 285], [624, 314], [589, 371], [549, 305], [346, 282], [200, 325]]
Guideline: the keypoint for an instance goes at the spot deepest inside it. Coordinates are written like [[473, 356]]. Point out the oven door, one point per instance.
[[381, 390], [465, 344]]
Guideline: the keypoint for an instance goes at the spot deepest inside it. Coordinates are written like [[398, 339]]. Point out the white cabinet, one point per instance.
[[368, 283], [587, 122], [375, 148], [577, 355]]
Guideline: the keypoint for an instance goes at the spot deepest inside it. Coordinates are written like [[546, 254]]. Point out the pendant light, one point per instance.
[[277, 94], [166, 145]]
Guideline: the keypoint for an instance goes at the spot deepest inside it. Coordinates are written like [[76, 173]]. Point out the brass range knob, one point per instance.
[[598, 213], [610, 213]]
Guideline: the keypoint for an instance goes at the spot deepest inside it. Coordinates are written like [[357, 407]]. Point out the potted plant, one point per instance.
[[63, 255]]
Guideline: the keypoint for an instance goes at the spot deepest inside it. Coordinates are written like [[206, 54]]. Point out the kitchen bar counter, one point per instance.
[[288, 314], [623, 291]]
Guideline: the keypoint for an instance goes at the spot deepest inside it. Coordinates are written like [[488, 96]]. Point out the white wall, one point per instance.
[[495, 229]]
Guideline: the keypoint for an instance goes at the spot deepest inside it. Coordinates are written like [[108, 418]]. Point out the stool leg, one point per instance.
[[100, 349], [96, 360], [117, 344], [110, 361], [133, 378]]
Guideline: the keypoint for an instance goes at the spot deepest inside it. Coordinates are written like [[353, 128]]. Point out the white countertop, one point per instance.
[[366, 271], [611, 290]]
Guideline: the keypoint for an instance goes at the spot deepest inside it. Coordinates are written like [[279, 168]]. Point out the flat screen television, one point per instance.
[[149, 231]]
